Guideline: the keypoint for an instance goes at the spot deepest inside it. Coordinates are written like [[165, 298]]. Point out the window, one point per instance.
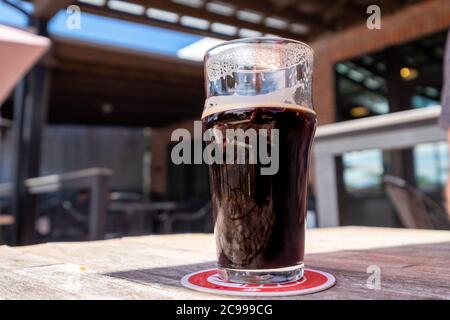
[[397, 78], [431, 166], [363, 170]]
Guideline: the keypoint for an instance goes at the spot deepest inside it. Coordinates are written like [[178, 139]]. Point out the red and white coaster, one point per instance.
[[209, 281]]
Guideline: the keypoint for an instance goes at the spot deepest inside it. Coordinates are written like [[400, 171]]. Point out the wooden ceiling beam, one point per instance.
[[133, 83], [202, 13], [46, 9], [88, 53], [268, 9], [132, 110], [132, 90], [72, 115], [386, 6], [73, 68], [128, 109], [183, 10], [92, 103], [144, 20], [291, 14]]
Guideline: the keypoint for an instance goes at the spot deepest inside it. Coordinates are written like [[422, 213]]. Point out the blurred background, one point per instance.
[[85, 135]]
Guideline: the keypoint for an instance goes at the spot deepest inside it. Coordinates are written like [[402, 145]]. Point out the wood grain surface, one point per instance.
[[414, 264]]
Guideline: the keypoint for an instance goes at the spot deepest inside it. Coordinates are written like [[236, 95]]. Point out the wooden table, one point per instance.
[[414, 264]]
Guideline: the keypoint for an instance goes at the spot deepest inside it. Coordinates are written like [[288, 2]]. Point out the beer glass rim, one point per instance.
[[255, 40]]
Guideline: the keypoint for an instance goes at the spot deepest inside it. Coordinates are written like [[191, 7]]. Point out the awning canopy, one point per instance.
[[302, 20], [93, 84], [98, 85]]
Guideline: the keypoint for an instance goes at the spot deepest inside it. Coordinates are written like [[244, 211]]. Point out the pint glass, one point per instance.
[[258, 126]]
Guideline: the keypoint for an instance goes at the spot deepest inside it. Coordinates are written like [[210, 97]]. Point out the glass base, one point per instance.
[[262, 276]]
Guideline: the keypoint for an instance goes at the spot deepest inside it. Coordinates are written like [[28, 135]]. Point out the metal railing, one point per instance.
[[386, 132]]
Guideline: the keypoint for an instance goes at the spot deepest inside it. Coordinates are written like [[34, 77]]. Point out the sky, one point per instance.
[[13, 17], [110, 31]]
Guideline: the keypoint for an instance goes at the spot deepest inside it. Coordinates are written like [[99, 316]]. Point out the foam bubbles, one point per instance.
[[256, 71], [242, 56]]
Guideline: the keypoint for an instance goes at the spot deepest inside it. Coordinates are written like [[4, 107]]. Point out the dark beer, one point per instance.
[[259, 220]]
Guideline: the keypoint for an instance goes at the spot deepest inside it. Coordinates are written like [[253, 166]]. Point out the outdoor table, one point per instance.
[[414, 264]]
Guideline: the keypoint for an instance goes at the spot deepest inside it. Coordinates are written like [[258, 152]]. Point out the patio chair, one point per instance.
[[414, 208]]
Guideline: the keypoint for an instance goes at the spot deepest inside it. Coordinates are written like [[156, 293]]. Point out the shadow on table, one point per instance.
[[164, 275], [407, 272]]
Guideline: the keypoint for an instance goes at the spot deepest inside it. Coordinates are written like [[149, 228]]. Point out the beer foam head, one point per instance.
[[219, 108]]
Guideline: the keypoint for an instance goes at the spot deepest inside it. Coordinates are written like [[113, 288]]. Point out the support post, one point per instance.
[[98, 207], [30, 113], [21, 222], [326, 190]]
